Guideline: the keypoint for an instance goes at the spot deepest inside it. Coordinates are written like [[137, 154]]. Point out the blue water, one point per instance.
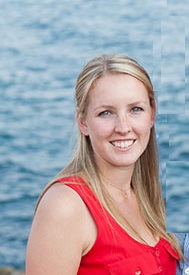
[[43, 46]]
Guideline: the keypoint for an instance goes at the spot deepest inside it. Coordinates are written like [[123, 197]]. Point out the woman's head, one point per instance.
[[98, 68]]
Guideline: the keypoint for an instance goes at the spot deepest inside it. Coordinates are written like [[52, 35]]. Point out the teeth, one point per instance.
[[123, 144]]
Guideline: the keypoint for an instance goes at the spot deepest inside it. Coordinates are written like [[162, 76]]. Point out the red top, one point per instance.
[[114, 251]]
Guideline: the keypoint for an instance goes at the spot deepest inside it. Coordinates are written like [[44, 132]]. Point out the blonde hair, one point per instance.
[[145, 179]]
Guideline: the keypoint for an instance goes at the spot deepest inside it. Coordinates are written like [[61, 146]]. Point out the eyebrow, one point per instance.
[[103, 106], [138, 102]]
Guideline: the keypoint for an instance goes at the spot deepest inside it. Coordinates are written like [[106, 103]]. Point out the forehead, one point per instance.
[[116, 88]]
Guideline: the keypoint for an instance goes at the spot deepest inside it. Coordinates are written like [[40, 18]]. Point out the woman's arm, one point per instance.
[[59, 234]]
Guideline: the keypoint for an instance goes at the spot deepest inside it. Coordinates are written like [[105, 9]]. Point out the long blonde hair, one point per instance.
[[145, 178]]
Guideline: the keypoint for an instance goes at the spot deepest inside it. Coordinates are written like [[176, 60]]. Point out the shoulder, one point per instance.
[[63, 208], [61, 204], [60, 197], [61, 232]]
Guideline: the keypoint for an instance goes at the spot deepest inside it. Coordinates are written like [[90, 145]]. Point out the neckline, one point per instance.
[[118, 226], [122, 231], [80, 181]]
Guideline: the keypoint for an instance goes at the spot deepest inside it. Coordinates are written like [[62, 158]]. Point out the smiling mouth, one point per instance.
[[123, 144]]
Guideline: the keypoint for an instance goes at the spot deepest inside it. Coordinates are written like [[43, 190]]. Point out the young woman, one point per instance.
[[103, 213]]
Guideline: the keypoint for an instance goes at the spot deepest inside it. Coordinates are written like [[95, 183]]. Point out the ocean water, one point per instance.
[[44, 45]]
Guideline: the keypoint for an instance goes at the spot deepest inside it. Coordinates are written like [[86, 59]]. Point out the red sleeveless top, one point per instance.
[[114, 251]]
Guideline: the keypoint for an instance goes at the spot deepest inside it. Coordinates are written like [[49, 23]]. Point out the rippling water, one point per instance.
[[43, 47]]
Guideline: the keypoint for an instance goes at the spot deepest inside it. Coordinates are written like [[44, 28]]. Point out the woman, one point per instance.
[[103, 213]]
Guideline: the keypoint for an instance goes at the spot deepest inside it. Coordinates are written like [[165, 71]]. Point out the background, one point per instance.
[[43, 47]]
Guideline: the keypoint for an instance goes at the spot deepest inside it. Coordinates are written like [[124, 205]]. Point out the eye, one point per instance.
[[105, 113], [137, 109]]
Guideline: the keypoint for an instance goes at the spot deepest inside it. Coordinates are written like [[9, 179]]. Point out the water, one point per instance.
[[44, 45]]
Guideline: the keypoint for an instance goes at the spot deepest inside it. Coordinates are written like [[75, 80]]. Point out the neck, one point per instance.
[[125, 192], [119, 181], [120, 177]]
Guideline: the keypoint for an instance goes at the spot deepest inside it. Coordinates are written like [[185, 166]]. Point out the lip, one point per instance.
[[123, 144]]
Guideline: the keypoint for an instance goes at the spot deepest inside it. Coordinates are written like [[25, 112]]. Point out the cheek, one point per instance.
[[143, 128], [100, 128]]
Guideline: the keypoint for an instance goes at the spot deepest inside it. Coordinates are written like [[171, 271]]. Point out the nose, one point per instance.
[[122, 125]]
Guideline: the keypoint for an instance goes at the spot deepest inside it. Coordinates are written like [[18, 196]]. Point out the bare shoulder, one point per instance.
[[59, 234], [60, 200]]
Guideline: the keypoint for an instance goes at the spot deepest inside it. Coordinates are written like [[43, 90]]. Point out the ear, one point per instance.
[[82, 124]]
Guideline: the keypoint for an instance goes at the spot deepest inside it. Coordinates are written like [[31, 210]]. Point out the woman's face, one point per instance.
[[118, 120]]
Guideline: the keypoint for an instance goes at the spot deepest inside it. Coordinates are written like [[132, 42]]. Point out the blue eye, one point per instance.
[[137, 109], [105, 113]]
